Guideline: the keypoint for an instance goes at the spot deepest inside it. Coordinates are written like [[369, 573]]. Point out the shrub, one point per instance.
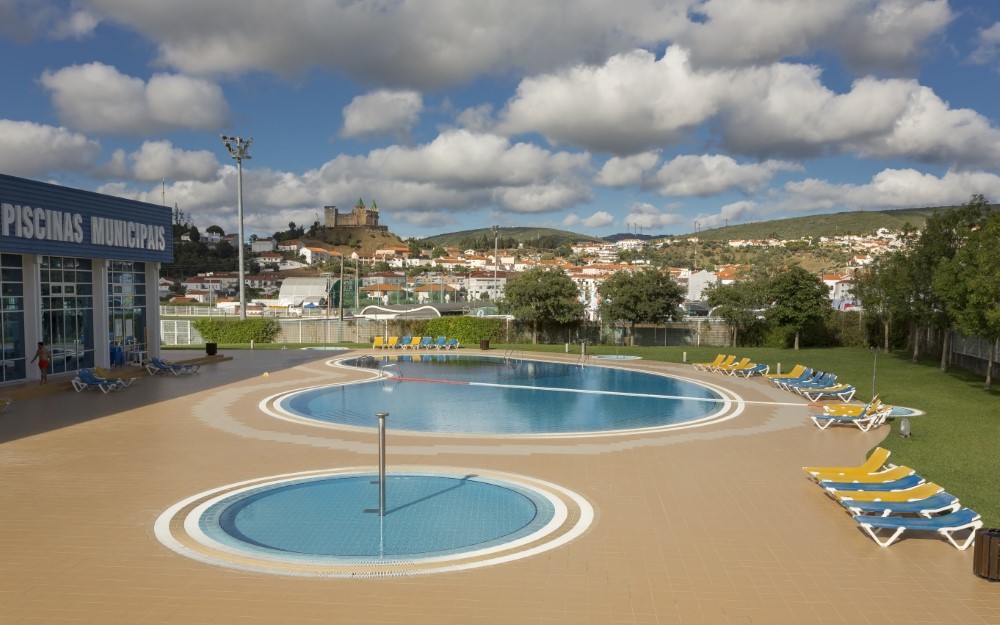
[[468, 330], [235, 331]]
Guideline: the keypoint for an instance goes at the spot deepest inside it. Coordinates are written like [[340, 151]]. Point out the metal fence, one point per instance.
[[293, 330], [972, 352]]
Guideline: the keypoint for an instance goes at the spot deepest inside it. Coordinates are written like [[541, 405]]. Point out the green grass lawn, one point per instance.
[[956, 444]]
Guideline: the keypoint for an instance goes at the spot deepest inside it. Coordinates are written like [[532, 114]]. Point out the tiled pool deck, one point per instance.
[[711, 525]]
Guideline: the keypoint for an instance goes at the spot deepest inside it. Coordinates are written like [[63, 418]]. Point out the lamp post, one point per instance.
[[496, 258], [239, 149]]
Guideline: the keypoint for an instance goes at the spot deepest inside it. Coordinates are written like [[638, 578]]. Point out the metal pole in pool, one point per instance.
[[381, 462]]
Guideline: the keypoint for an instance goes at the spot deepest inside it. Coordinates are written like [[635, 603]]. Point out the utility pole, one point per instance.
[[239, 149]]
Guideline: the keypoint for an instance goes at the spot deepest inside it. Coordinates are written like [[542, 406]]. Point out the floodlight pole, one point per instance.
[[381, 461], [239, 149], [496, 258]]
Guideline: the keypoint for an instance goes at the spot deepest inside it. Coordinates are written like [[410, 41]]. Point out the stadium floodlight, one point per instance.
[[239, 149]]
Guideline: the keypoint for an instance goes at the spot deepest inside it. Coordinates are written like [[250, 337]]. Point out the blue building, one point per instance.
[[78, 270]]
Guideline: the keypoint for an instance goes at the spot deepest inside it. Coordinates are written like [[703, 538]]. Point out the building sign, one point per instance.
[[40, 218]]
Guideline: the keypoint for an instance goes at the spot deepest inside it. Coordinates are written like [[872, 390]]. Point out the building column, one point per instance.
[[152, 310], [102, 326], [32, 272]]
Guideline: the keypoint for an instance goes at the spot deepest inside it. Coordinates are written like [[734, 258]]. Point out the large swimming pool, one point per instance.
[[483, 395]]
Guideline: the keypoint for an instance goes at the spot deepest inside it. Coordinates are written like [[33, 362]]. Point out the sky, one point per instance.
[[650, 116]]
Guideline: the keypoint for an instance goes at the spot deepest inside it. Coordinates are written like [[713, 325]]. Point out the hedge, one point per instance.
[[237, 331], [468, 330]]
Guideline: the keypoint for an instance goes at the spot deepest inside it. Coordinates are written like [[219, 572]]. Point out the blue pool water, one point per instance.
[[462, 394], [427, 515]]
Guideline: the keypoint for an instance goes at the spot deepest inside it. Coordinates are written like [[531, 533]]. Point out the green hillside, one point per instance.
[[530, 237], [832, 224]]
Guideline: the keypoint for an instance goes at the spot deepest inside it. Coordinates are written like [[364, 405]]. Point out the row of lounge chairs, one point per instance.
[[813, 384], [727, 364], [887, 500], [415, 342]]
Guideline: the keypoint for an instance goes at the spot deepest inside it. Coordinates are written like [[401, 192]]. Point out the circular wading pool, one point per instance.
[[328, 523]]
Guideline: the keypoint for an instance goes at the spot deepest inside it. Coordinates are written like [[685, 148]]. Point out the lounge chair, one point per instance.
[[877, 477], [392, 342], [744, 362], [156, 365], [750, 370], [822, 380], [927, 507], [796, 371], [903, 483], [862, 422], [843, 392], [946, 525], [103, 373], [426, 343], [451, 344], [413, 344], [86, 380], [379, 343], [802, 377], [856, 410], [440, 342], [877, 461], [403, 342], [719, 360], [921, 491]]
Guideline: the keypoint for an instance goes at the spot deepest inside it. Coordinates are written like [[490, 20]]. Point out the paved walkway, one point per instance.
[[711, 525]]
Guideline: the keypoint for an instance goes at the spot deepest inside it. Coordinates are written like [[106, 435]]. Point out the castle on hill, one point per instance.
[[359, 217]]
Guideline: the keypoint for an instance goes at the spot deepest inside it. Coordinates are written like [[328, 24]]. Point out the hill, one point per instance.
[[510, 237], [827, 225]]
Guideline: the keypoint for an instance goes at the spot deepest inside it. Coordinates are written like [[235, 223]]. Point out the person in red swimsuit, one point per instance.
[[42, 356]]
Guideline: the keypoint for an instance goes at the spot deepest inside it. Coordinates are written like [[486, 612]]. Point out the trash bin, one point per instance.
[[986, 554], [484, 344], [211, 348]]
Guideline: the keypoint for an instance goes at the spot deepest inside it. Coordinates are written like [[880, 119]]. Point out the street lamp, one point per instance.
[[496, 258], [239, 149]]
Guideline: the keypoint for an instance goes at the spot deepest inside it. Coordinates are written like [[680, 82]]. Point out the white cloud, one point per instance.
[[988, 44], [77, 25], [711, 174], [622, 171], [736, 212], [477, 119], [869, 34], [30, 149], [399, 44], [599, 219], [644, 215], [382, 112], [24, 20], [158, 160], [891, 188], [98, 98]]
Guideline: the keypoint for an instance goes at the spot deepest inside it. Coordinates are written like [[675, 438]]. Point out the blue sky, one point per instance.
[[656, 115]]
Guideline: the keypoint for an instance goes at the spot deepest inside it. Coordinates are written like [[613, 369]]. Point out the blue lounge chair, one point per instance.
[[902, 483], [426, 343], [156, 365], [843, 392], [927, 507], [440, 342], [805, 375], [86, 379], [746, 372], [824, 381], [946, 525], [404, 342], [451, 344], [813, 377]]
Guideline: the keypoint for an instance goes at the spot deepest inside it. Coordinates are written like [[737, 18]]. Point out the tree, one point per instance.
[[438, 252], [215, 230], [541, 296], [647, 296], [883, 291], [738, 303], [798, 297], [970, 284]]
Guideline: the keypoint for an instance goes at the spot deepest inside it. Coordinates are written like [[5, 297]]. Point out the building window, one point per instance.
[[126, 309], [12, 360], [67, 286]]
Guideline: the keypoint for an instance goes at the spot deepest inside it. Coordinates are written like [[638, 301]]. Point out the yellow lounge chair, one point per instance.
[[393, 342], [857, 410], [878, 460], [379, 343], [727, 368], [866, 478], [720, 359], [794, 373], [414, 343], [922, 491]]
